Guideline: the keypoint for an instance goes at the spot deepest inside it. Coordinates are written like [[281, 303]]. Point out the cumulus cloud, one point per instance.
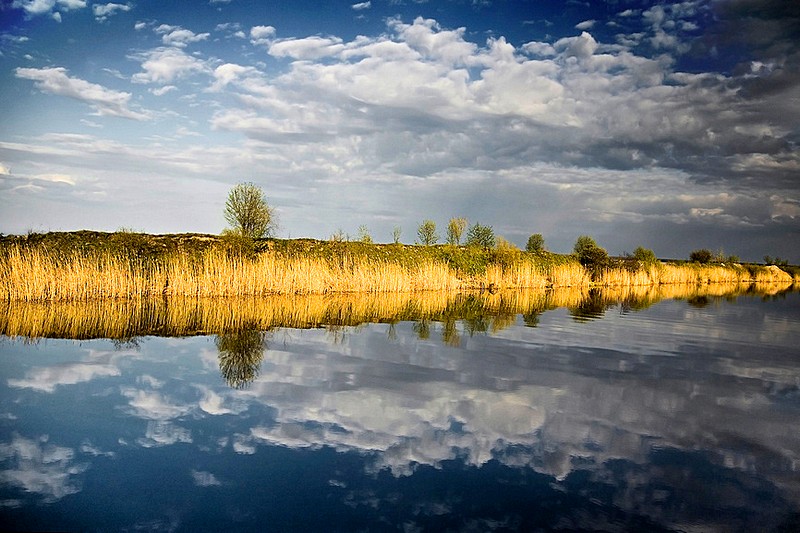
[[47, 379], [103, 11], [106, 102], [153, 405], [36, 466], [361, 6], [48, 7], [261, 35], [180, 37], [165, 65]]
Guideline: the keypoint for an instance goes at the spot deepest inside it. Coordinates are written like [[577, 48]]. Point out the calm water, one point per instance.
[[680, 415]]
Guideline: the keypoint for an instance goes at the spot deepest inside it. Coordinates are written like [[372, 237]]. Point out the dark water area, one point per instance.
[[587, 413]]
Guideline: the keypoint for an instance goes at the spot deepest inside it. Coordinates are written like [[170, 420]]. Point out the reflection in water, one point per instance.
[[480, 312], [676, 417], [240, 354]]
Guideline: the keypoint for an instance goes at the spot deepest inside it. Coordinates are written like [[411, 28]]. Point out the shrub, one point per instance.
[[702, 256], [535, 243], [506, 253]]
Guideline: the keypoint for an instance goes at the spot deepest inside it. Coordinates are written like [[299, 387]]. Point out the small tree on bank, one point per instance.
[[248, 213], [535, 243], [702, 256], [427, 233], [590, 254], [455, 229], [645, 255], [481, 236]]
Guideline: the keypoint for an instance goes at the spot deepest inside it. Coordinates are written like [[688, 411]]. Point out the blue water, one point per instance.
[[681, 416]]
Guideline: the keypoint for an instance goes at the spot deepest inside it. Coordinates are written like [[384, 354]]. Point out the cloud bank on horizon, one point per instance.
[[672, 125]]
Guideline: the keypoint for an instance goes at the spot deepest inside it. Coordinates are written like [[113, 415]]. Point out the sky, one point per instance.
[[668, 125]]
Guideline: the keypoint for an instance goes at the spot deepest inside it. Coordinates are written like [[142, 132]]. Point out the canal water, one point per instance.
[[483, 413]]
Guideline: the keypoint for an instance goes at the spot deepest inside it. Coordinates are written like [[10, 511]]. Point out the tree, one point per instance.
[[590, 254], [363, 234], [396, 232], [481, 236], [455, 228], [427, 233], [535, 243], [248, 213], [702, 256], [645, 255]]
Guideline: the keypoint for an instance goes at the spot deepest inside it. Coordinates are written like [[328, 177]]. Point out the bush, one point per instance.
[[506, 253], [702, 256], [535, 243]]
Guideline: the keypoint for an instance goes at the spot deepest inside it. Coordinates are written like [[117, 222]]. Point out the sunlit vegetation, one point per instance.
[[124, 265]]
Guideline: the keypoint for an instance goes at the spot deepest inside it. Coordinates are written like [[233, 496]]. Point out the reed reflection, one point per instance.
[[126, 320]]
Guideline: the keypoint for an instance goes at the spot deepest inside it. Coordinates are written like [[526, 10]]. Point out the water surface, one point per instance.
[[476, 413]]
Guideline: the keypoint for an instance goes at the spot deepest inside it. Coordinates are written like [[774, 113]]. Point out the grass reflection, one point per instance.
[[479, 312]]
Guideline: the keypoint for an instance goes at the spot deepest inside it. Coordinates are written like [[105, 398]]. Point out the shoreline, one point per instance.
[[81, 266]]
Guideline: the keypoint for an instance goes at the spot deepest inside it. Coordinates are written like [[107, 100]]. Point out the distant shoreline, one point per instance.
[[88, 265]]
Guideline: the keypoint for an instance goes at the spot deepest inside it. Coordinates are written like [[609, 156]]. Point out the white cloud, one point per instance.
[[153, 405], [40, 468], [103, 11], [163, 433], [161, 91], [180, 37], [261, 35], [165, 65], [229, 73], [585, 25], [106, 102], [49, 7], [362, 5], [205, 479], [308, 48], [4, 170], [46, 379]]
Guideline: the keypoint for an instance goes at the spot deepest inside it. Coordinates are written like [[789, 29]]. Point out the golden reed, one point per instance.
[[32, 274]]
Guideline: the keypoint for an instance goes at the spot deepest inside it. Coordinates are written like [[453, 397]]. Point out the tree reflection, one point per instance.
[[592, 307], [240, 354]]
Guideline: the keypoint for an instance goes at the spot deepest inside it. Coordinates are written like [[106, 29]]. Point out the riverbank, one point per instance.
[[123, 265]]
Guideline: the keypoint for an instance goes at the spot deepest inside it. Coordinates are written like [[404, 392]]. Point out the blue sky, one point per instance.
[[672, 125]]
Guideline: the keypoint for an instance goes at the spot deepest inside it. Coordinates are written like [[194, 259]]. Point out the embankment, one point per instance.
[[91, 265]]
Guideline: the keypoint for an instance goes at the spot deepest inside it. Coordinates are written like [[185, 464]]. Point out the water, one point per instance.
[[487, 413]]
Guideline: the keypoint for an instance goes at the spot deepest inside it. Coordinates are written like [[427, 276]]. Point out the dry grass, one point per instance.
[[34, 274]]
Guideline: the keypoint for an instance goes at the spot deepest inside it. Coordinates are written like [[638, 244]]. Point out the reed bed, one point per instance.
[[36, 274]]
